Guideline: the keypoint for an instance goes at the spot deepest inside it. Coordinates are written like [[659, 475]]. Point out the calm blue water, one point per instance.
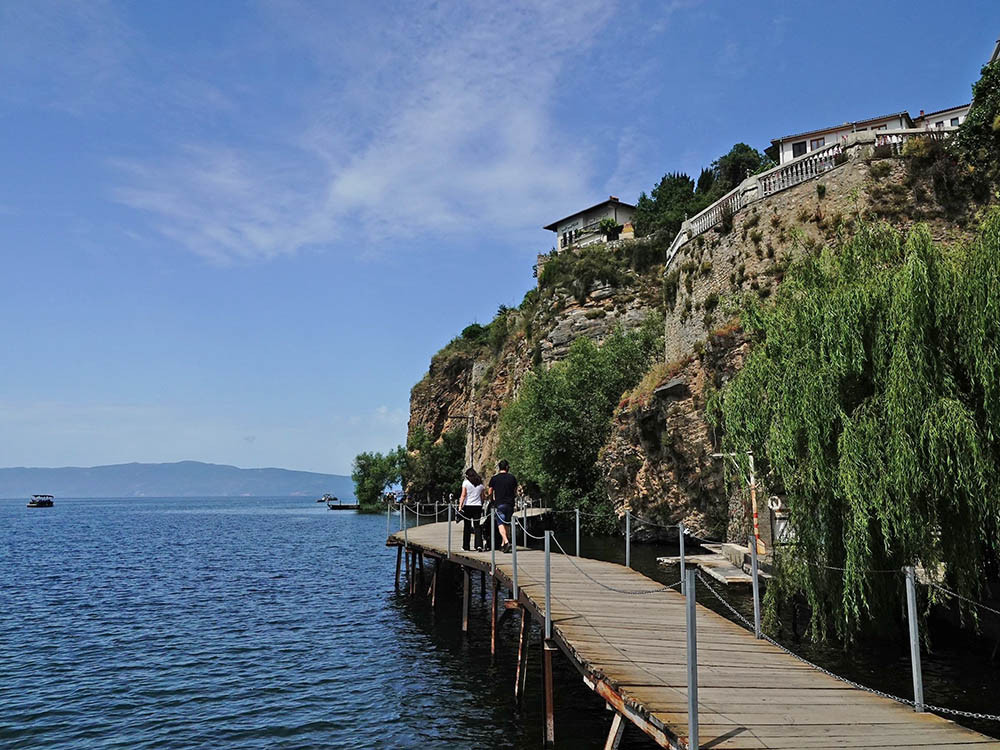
[[245, 623]]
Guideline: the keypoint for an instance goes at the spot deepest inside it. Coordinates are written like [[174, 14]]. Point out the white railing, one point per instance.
[[793, 173], [799, 170], [895, 139]]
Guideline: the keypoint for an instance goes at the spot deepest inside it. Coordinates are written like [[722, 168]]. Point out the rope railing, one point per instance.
[[905, 701]]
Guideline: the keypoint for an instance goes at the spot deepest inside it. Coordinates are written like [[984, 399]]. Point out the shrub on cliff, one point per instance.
[[552, 432], [978, 139], [872, 400]]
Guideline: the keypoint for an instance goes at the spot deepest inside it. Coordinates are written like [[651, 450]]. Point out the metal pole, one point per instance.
[[756, 586], [406, 530], [400, 513], [680, 538], [449, 532], [493, 543], [548, 588], [911, 617], [692, 661], [435, 512], [577, 532], [388, 512], [628, 539], [513, 550]]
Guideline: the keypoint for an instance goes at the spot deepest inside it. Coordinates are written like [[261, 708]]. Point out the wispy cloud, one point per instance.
[[441, 122]]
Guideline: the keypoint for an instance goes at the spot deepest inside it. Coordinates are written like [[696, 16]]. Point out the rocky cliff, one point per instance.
[[658, 461]]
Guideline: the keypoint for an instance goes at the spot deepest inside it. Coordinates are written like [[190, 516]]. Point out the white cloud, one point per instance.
[[439, 122]]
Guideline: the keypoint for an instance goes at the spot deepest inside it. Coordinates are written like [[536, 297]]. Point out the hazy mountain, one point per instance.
[[182, 479]]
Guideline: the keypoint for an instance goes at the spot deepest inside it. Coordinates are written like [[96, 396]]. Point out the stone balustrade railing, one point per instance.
[[795, 172]]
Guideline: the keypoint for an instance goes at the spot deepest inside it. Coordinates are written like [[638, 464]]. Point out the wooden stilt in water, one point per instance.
[[399, 559], [482, 585], [434, 583], [407, 568], [466, 585], [493, 619], [522, 654], [548, 647], [615, 735]]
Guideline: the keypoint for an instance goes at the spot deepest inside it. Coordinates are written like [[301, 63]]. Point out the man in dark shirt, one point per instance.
[[503, 489]]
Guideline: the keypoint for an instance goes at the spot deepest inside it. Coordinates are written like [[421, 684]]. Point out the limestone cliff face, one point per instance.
[[658, 460], [478, 383]]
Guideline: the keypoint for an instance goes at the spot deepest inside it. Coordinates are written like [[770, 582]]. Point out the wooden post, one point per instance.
[[550, 719], [522, 654], [753, 506], [407, 567], [434, 583], [399, 560], [493, 619], [465, 599], [615, 735], [482, 585]]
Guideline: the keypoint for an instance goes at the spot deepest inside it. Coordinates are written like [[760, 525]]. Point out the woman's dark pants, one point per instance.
[[471, 525]]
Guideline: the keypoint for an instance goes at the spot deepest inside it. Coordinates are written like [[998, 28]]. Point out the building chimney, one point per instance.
[[921, 113], [614, 198]]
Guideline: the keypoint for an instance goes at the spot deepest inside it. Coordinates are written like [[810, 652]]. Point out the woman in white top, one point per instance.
[[470, 508]]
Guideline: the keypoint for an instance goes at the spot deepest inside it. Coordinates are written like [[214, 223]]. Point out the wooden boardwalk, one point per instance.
[[631, 650]]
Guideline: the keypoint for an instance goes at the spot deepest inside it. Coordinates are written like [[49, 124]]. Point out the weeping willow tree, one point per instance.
[[872, 398]]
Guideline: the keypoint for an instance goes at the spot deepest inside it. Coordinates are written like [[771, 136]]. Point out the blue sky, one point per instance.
[[237, 231]]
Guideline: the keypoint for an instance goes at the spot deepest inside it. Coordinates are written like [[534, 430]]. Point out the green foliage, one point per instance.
[[872, 401], [978, 139], [433, 469], [374, 473], [552, 432], [676, 195], [670, 284], [609, 228], [579, 271]]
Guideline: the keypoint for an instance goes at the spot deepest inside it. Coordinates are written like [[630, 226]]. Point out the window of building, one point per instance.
[[954, 122], [816, 143], [798, 148], [939, 124], [880, 127]]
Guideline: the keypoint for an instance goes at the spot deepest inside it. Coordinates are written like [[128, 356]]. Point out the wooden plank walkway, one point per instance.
[[630, 649]]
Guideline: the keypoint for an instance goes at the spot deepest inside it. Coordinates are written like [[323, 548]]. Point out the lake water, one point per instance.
[[258, 623]]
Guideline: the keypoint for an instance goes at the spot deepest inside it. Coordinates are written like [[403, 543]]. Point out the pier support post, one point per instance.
[[408, 574], [434, 583], [522, 654], [399, 560], [692, 661], [680, 541], [466, 585], [911, 618], [628, 539], [482, 585], [615, 735], [756, 586], [550, 710], [493, 619], [577, 532]]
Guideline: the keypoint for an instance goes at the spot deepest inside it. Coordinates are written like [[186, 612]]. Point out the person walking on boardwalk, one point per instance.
[[470, 508], [503, 490]]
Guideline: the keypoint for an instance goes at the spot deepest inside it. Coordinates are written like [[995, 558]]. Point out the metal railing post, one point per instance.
[[680, 538], [756, 586], [548, 588], [628, 539], [577, 532], [513, 550], [400, 514], [435, 511], [449, 531], [911, 617], [692, 660], [493, 542], [388, 517], [406, 530]]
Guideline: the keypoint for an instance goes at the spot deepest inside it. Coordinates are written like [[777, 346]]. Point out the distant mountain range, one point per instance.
[[181, 479]]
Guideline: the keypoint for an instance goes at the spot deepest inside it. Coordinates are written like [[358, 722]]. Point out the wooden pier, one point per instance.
[[630, 649]]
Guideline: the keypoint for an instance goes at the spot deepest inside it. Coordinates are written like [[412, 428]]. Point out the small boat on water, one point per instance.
[[41, 501]]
